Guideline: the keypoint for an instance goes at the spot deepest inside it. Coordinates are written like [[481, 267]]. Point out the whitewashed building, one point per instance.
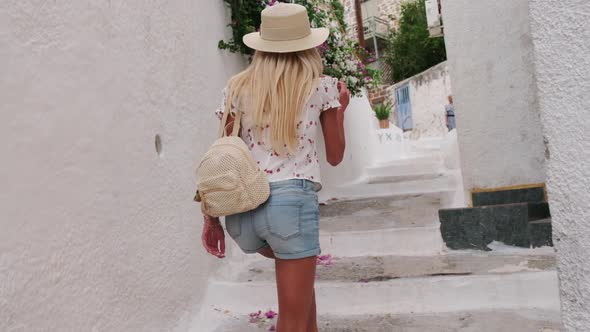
[[520, 80], [98, 228]]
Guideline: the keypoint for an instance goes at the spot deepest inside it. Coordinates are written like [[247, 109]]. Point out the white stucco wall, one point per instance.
[[98, 232], [491, 66], [428, 95], [562, 63], [360, 129]]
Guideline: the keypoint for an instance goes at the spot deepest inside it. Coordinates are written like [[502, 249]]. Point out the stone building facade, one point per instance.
[[385, 9]]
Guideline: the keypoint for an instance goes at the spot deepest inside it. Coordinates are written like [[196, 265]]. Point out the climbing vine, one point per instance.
[[339, 53]]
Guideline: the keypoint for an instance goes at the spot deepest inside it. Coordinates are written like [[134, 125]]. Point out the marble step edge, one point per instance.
[[538, 290]]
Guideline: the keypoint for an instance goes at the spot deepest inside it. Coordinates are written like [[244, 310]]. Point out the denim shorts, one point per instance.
[[288, 222]]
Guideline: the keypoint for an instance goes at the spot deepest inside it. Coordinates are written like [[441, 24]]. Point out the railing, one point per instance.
[[376, 27], [373, 27]]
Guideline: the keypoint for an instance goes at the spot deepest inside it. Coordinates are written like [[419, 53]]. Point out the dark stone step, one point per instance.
[[539, 211], [512, 196], [522, 224], [541, 233]]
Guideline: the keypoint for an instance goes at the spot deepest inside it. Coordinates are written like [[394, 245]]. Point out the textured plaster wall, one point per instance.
[[428, 95], [490, 55], [98, 232], [562, 62]]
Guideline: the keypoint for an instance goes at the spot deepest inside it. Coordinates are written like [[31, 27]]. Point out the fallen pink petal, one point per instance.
[[255, 317], [256, 314], [270, 314], [325, 260], [272, 328]]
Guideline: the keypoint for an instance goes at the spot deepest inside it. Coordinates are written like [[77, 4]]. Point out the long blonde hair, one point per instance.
[[276, 87]]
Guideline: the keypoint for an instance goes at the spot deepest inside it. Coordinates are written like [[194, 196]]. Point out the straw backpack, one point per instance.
[[228, 179]]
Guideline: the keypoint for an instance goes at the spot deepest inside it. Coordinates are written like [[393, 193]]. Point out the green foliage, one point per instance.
[[410, 50], [245, 18], [339, 53], [382, 111]]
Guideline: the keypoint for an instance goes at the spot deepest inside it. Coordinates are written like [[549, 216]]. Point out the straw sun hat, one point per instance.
[[285, 28]]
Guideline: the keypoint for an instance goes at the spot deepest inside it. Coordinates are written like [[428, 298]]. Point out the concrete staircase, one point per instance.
[[420, 167], [417, 174], [391, 272]]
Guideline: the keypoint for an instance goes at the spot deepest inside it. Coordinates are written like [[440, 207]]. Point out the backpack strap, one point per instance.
[[224, 124]]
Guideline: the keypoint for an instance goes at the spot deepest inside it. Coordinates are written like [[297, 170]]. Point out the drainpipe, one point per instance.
[[359, 22]]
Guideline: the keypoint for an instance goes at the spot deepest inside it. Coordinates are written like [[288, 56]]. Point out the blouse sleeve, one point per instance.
[[330, 94], [219, 111]]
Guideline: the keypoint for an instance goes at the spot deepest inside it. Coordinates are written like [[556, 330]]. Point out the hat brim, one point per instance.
[[317, 37]]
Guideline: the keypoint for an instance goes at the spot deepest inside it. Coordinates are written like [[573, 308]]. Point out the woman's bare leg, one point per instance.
[[312, 319], [267, 252], [295, 282]]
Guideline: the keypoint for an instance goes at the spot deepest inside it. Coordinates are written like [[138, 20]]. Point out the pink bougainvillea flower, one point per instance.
[[255, 317], [270, 314], [323, 48], [324, 260]]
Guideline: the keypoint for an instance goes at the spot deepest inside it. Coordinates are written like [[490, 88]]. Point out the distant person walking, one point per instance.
[[450, 114]]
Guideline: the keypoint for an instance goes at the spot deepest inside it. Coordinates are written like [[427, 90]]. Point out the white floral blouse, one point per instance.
[[304, 163]]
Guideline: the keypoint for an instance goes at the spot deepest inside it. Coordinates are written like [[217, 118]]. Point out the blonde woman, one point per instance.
[[284, 99]]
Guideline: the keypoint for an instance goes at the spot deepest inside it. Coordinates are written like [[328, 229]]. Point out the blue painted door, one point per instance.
[[404, 107]]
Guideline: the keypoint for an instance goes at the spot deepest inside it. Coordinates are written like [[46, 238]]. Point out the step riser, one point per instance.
[[416, 241], [364, 189], [403, 170], [404, 178], [446, 294], [413, 159], [468, 228], [481, 321]]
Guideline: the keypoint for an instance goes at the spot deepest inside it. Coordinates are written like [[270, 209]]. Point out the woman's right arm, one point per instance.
[[332, 121]]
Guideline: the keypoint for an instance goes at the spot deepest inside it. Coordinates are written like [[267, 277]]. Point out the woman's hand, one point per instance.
[[344, 97], [213, 237]]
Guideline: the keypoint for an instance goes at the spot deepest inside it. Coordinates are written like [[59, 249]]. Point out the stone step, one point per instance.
[[383, 268], [392, 289], [413, 159], [423, 295], [409, 241], [469, 321], [363, 188], [403, 171], [509, 196], [380, 213], [520, 224], [405, 178], [402, 225]]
